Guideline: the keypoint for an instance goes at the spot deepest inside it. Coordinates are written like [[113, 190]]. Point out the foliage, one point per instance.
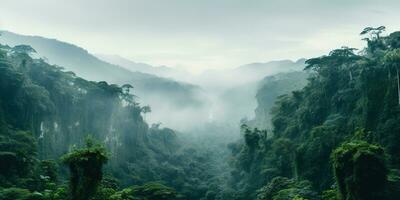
[[17, 156], [45, 111], [337, 138], [281, 188], [19, 194], [360, 171], [351, 98], [148, 191], [271, 87], [85, 167]]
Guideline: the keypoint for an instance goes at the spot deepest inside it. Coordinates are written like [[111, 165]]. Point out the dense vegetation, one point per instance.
[[337, 138], [46, 113], [149, 87], [271, 87]]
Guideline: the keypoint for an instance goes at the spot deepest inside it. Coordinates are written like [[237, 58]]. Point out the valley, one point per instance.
[[75, 126]]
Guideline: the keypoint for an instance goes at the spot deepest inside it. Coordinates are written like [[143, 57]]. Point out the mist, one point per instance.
[[199, 100], [220, 99], [197, 36], [227, 96]]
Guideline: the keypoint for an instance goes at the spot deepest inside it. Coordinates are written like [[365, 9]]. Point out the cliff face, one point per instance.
[[176, 96], [45, 112], [60, 109], [349, 106], [270, 88]]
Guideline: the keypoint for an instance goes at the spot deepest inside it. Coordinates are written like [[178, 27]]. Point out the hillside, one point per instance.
[[269, 90], [337, 138], [330, 132], [46, 113], [260, 70], [148, 87], [161, 71]]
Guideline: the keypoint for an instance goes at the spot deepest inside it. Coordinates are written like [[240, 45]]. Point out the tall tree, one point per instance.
[[360, 171], [392, 58], [85, 167]]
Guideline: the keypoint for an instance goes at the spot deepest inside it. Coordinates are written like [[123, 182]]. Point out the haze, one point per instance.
[[200, 35]]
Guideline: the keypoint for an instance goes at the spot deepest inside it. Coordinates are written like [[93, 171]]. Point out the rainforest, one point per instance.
[[76, 125]]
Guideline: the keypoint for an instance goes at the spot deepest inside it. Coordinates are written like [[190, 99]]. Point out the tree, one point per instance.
[[374, 32], [85, 167], [392, 58], [126, 88], [252, 138], [336, 58], [146, 109], [127, 96], [26, 49], [360, 171], [374, 40], [281, 188], [19, 194], [148, 191], [47, 172], [17, 154]]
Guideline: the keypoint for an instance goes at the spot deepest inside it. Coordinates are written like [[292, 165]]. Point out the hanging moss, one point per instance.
[[85, 167], [360, 171]]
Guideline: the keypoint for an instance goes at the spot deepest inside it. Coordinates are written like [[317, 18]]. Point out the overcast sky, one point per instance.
[[201, 34]]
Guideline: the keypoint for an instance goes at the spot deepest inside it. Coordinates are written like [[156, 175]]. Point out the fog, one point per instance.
[[201, 35], [205, 44], [226, 96], [199, 99]]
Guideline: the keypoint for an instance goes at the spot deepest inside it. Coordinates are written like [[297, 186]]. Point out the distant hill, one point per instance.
[[234, 91], [260, 70], [270, 88], [225, 95], [236, 76], [247, 74], [162, 71], [150, 88]]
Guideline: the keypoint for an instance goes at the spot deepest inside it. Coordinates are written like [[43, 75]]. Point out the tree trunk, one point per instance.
[[351, 75], [398, 84]]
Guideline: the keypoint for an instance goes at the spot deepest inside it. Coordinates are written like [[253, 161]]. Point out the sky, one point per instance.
[[198, 35]]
